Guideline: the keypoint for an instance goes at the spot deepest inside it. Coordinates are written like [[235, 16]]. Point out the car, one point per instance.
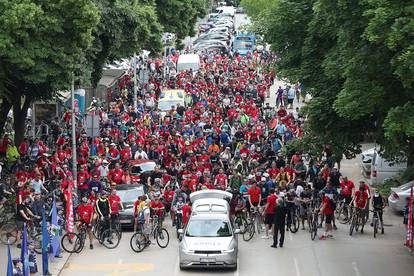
[[366, 157], [209, 239], [138, 167], [382, 169], [398, 197], [128, 193], [204, 27]]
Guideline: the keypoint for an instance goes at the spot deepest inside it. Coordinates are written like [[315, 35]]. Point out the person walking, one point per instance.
[[279, 220]]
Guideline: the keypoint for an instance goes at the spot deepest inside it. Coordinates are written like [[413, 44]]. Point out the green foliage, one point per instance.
[[356, 59], [180, 16], [125, 27]]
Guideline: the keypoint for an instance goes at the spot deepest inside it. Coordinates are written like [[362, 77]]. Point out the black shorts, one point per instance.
[[268, 219], [290, 101], [328, 219], [348, 199]]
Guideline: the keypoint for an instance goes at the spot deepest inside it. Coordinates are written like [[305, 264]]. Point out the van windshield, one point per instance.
[[208, 228]]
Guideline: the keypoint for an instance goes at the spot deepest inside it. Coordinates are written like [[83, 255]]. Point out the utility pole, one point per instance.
[[74, 151], [135, 82]]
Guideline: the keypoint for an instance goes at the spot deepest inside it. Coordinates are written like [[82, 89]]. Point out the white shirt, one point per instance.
[[140, 155]]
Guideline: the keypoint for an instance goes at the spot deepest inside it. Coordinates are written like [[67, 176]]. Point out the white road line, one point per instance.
[[296, 266], [356, 270], [236, 273]]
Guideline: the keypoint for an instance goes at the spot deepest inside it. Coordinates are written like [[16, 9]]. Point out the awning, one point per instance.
[[109, 76]]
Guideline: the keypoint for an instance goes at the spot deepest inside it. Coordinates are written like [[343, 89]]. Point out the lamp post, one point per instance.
[[74, 151]]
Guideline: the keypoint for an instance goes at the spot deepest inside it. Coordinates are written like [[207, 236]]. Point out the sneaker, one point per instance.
[[382, 231], [335, 228], [173, 224], [372, 224], [362, 231], [322, 238], [91, 246], [265, 237], [330, 236], [280, 245], [274, 246]]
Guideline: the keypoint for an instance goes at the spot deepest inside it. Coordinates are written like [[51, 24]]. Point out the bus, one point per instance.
[[244, 43]]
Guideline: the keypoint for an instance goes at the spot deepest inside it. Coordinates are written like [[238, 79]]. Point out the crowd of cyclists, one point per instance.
[[227, 137]]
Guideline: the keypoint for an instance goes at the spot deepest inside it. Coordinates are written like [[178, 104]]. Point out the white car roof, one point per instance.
[[211, 194]]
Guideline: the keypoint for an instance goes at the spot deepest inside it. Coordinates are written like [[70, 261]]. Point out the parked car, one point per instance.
[[129, 194], [398, 197], [382, 169], [209, 239], [138, 167], [367, 156]]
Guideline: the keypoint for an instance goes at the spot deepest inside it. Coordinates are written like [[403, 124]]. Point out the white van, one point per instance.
[[187, 62], [382, 169]]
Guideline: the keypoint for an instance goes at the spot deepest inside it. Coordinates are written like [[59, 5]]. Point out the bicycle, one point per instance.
[[139, 240], [376, 221], [293, 219], [357, 219], [240, 221], [254, 222], [343, 212], [313, 228], [8, 229], [178, 219]]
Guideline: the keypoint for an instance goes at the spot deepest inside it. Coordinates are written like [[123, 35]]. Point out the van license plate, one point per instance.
[[123, 221], [207, 260]]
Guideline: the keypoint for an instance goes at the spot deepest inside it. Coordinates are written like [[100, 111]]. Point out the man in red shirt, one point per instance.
[[269, 212], [327, 211], [85, 214], [157, 208], [255, 195], [115, 175], [360, 201], [186, 213], [347, 189], [116, 206], [221, 180]]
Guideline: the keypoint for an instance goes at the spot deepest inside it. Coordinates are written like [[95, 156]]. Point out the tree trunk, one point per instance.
[[19, 116], [4, 110]]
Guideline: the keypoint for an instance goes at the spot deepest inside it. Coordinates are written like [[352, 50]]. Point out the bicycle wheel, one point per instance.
[[70, 242], [137, 242], [375, 227], [344, 216], [314, 230], [8, 233], [110, 238], [352, 226], [241, 223], [37, 243], [162, 237], [295, 224], [249, 233], [96, 230]]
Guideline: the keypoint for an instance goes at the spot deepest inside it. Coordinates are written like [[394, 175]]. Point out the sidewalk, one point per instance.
[[54, 267]]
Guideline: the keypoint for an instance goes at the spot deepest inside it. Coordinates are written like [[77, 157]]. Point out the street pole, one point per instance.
[[74, 161], [135, 82]]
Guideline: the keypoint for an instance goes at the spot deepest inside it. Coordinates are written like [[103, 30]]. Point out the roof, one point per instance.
[[110, 76], [210, 194], [188, 58]]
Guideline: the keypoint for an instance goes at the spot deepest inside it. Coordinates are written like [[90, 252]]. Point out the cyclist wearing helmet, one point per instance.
[[179, 196]]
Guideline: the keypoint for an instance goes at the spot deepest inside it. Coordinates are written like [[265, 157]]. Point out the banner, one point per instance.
[[55, 230], [69, 211], [409, 238], [45, 244]]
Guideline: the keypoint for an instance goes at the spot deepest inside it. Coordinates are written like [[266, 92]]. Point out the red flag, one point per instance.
[[69, 211], [409, 237]]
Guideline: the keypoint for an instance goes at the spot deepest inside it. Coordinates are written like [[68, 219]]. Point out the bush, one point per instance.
[[399, 179]]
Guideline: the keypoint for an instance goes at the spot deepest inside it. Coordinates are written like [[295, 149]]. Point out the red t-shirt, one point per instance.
[[328, 209], [346, 188], [254, 194], [114, 201], [271, 201], [360, 199], [116, 175], [158, 204], [168, 196], [186, 213], [85, 212]]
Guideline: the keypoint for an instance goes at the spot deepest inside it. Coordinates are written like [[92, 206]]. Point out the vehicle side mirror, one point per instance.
[[237, 231]]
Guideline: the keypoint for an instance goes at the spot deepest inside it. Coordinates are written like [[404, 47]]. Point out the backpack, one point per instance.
[[141, 216]]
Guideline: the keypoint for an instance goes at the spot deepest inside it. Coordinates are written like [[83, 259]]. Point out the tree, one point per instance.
[[180, 16], [125, 27], [41, 44]]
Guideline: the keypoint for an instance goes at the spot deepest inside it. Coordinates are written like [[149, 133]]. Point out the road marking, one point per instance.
[[132, 267], [236, 273], [296, 266], [355, 267]]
